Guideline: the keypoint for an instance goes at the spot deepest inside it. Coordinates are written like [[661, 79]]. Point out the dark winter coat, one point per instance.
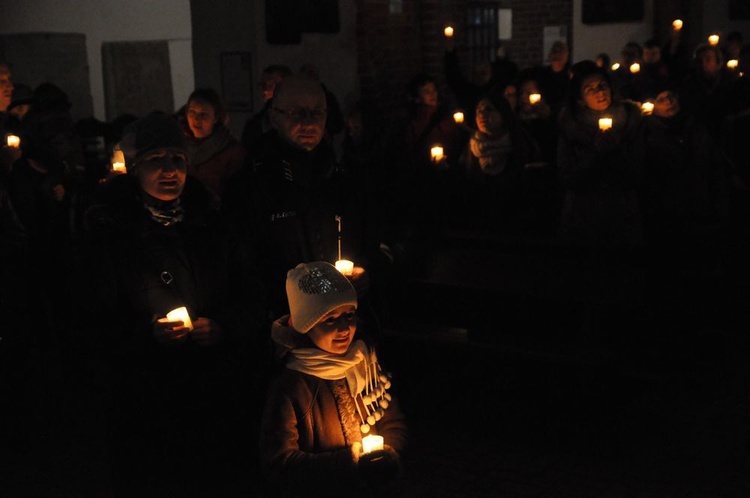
[[286, 204], [600, 172]]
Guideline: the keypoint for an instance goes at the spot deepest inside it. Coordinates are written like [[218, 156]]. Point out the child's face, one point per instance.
[[335, 331]]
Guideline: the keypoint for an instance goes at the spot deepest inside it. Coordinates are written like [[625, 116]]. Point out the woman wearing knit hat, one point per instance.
[[328, 397], [182, 388]]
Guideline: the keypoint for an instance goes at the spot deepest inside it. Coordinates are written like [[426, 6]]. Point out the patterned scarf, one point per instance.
[[359, 367], [492, 152], [166, 213]]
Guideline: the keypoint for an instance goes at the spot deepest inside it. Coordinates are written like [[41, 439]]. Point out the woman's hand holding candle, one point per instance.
[[170, 332], [206, 332]]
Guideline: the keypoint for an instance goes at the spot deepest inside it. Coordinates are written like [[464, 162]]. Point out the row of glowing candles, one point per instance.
[[677, 25]]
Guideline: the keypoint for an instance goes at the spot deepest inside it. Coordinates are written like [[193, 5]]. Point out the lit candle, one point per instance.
[[647, 107], [733, 63], [372, 443], [615, 66], [713, 39], [13, 141], [534, 98], [448, 31], [345, 266], [677, 24], [119, 167], [605, 124], [436, 152], [182, 315], [458, 117], [635, 67]]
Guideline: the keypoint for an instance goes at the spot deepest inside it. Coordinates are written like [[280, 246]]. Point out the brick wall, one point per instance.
[[394, 47]]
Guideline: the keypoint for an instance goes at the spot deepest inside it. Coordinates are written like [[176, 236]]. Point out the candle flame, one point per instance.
[[677, 24], [733, 63], [647, 107], [448, 31], [13, 141], [615, 66], [458, 117], [436, 152], [635, 67], [605, 124], [534, 98], [713, 39]]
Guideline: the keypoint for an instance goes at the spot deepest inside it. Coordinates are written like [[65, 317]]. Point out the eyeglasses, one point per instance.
[[593, 90], [670, 97], [300, 115]]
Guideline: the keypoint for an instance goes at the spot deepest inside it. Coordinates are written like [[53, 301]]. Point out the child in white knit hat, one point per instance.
[[330, 395]]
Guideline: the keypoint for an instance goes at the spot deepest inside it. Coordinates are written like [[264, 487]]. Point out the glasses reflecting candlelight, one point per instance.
[[436, 153], [733, 63], [458, 117], [13, 141], [448, 31], [534, 98], [647, 107], [605, 124], [345, 266], [713, 39], [677, 24], [372, 443], [635, 67], [615, 66]]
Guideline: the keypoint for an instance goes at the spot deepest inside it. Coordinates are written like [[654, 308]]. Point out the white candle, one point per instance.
[[647, 107], [534, 98], [458, 117], [372, 443], [119, 167], [13, 141], [635, 67], [713, 39], [733, 63], [436, 152], [448, 31], [605, 124], [345, 266], [677, 24], [182, 315]]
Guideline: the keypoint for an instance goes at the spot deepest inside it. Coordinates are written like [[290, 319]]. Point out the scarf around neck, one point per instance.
[[166, 213], [359, 366], [491, 151], [201, 151]]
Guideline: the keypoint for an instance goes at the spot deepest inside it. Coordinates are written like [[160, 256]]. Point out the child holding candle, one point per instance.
[[329, 393]]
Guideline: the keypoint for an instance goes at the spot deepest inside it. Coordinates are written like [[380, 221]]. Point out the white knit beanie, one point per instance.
[[313, 290]]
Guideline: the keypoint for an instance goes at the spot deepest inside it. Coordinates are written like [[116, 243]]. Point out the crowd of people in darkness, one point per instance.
[[271, 372]]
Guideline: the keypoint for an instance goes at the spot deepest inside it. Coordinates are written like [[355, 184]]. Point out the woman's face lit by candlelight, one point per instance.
[[666, 104], [162, 174], [596, 93], [488, 118]]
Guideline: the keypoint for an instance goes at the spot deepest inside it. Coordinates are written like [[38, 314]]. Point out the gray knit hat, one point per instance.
[[313, 290], [153, 132]]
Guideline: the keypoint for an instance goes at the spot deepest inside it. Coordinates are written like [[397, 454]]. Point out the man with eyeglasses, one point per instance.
[[288, 199]]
